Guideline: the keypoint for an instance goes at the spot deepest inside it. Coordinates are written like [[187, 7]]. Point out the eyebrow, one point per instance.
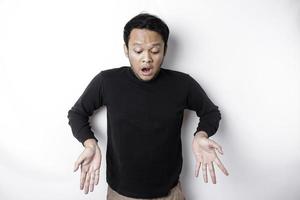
[[154, 44]]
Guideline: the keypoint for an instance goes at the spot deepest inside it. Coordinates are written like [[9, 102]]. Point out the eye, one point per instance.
[[155, 52], [137, 48], [137, 51]]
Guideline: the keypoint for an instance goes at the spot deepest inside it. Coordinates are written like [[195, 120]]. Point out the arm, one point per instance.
[[208, 113], [92, 143], [203, 147], [90, 100], [90, 159], [201, 134]]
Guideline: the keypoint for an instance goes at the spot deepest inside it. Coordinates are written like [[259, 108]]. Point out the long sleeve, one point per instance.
[[208, 113], [90, 100]]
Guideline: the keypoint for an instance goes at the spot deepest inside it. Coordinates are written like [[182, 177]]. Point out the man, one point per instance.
[[145, 105]]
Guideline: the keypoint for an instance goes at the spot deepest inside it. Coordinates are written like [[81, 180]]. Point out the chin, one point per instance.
[[148, 78]]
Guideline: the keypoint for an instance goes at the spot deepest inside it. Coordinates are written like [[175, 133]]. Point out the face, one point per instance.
[[145, 53]]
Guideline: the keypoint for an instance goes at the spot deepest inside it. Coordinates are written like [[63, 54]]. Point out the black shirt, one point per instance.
[[144, 118]]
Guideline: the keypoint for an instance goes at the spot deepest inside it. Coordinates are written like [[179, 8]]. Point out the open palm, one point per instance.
[[205, 155], [89, 162]]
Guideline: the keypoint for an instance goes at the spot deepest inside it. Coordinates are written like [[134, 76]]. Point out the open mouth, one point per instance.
[[146, 71]]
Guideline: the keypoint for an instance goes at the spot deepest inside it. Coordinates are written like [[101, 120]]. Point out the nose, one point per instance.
[[147, 58]]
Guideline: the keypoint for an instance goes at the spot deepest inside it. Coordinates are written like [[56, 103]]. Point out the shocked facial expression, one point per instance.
[[145, 53]]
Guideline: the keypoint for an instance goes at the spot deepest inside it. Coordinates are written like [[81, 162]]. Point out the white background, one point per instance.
[[245, 54]]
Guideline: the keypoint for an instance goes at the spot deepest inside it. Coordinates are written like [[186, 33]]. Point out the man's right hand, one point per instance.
[[89, 162]]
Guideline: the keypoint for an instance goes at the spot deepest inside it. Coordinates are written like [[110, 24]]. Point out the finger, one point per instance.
[[198, 164], [97, 175], [212, 172], [77, 163], [221, 166], [204, 172], [216, 146], [92, 180], [82, 177], [87, 183]]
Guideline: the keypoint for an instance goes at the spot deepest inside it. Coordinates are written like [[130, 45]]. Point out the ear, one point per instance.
[[125, 50]]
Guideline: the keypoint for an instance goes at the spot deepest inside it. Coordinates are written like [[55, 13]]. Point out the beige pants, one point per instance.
[[176, 193]]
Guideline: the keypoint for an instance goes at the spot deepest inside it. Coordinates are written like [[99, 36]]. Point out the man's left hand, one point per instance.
[[205, 154]]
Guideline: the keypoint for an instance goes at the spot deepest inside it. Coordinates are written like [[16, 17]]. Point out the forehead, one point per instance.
[[145, 37]]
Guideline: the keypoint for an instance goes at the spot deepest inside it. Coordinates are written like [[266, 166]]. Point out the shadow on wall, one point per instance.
[[172, 53], [295, 6]]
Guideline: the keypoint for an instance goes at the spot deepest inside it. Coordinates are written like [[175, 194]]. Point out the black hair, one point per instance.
[[146, 21]]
